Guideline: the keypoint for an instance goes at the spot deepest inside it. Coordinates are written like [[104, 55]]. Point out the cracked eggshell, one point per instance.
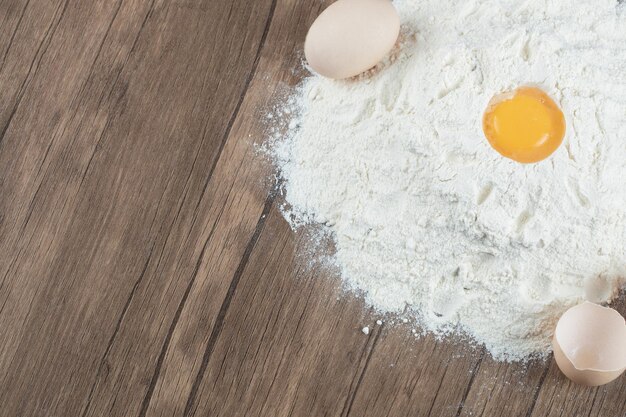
[[590, 344], [351, 36]]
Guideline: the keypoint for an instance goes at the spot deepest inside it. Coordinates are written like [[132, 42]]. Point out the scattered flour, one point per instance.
[[425, 215]]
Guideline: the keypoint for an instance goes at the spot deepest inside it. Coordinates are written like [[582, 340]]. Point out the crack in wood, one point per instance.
[[226, 303], [593, 402], [350, 400], [93, 154], [537, 390], [38, 57], [118, 325], [17, 26], [432, 404], [161, 358], [130, 53], [157, 370], [31, 205], [219, 321], [100, 47], [282, 356], [471, 382], [244, 92]]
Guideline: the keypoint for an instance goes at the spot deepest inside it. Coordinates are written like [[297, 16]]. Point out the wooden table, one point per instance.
[[145, 267]]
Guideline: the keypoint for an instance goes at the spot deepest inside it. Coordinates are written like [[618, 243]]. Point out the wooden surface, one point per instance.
[[145, 269]]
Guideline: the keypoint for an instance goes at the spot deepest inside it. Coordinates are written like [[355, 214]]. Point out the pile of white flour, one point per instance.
[[426, 216]]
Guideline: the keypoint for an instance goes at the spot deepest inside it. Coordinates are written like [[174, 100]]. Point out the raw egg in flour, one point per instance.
[[525, 125]]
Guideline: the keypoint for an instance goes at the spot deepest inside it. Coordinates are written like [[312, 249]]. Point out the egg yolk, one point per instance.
[[524, 125]]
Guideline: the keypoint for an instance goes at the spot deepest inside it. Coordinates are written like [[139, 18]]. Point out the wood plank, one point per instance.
[[150, 116], [154, 306], [240, 175], [290, 345], [43, 160], [413, 376], [504, 389], [25, 32], [27, 151]]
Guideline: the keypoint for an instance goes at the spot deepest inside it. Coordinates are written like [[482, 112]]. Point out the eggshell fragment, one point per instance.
[[351, 36], [590, 344]]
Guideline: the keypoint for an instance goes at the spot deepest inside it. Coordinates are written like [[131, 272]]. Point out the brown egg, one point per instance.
[[590, 344], [351, 36]]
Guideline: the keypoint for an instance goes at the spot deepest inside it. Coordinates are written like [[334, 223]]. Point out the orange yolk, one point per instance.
[[525, 125]]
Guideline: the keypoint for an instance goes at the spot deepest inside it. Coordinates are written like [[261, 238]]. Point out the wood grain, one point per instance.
[[145, 269]]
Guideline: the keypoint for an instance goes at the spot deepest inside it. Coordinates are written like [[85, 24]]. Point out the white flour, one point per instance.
[[426, 215]]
